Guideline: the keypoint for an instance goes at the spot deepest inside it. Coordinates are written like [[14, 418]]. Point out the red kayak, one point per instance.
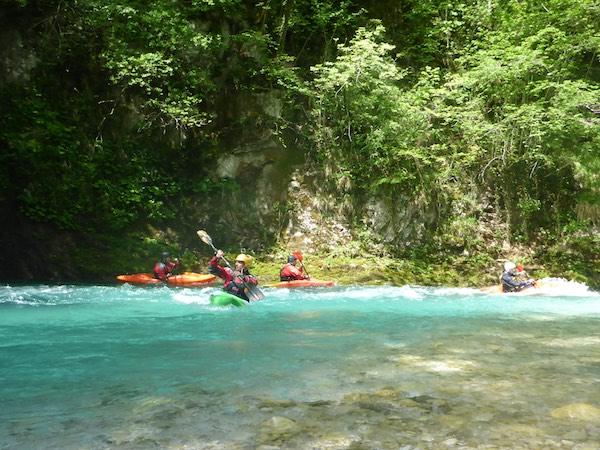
[[303, 283], [186, 279]]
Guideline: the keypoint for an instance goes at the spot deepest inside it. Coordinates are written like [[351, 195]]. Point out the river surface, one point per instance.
[[123, 367]]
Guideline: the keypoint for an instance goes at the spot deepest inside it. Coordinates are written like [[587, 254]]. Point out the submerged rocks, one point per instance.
[[278, 429], [269, 403], [577, 411]]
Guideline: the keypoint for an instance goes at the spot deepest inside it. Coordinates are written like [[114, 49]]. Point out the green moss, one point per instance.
[[464, 271], [102, 257], [375, 271]]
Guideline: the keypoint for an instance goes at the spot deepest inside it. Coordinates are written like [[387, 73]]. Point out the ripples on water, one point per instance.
[[354, 367]]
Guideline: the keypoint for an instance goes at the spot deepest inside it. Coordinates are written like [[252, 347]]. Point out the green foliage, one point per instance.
[[281, 71], [511, 122], [307, 29], [515, 118], [209, 5], [573, 255], [48, 161], [36, 155], [117, 111], [362, 118], [156, 55], [107, 76], [462, 234]]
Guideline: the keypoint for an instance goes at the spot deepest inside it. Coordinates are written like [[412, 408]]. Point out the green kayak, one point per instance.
[[225, 299]]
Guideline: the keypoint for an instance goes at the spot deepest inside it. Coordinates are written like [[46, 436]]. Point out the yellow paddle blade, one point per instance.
[[203, 235]]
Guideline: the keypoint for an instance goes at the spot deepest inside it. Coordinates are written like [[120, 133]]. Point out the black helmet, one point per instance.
[[292, 259], [165, 255]]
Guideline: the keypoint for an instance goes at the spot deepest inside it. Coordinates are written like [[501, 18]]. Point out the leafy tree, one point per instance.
[[519, 109], [364, 121]]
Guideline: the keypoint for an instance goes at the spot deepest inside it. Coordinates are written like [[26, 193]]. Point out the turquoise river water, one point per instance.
[[123, 367]]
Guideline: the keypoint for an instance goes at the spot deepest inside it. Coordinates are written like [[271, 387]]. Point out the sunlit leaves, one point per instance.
[[363, 117], [156, 56], [148, 71]]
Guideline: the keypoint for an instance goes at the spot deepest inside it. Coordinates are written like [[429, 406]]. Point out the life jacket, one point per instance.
[[159, 270], [289, 272], [237, 284], [162, 270]]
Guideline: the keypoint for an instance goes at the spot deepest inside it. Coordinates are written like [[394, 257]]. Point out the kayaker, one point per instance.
[[164, 268], [236, 280], [289, 272], [510, 282]]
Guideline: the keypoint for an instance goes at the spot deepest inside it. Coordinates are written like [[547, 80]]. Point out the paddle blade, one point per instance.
[[203, 235], [298, 255], [254, 293]]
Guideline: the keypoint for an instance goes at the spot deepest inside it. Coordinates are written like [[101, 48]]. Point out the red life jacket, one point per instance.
[[163, 270], [289, 272]]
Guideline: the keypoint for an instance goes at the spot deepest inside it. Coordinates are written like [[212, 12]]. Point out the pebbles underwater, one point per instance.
[[355, 368]]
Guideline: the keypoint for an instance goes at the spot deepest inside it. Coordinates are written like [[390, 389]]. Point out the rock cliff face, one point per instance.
[[34, 251], [17, 59], [286, 197]]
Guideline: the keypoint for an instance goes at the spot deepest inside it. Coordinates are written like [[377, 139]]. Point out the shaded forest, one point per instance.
[[443, 134]]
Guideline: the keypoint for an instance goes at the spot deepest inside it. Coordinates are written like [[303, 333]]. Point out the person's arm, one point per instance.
[[297, 273], [217, 269], [526, 284], [171, 266], [305, 276], [250, 279]]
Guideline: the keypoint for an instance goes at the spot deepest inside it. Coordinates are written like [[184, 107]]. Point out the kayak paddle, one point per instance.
[[300, 257]]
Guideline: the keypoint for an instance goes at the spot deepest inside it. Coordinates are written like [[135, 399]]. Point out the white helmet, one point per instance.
[[509, 265]]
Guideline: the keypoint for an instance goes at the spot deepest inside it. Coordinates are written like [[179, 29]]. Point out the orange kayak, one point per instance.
[[191, 279], [139, 278], [187, 279], [303, 283]]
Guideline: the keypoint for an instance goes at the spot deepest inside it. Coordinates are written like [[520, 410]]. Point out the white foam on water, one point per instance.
[[463, 292], [549, 286], [368, 293], [193, 296], [562, 287], [412, 292]]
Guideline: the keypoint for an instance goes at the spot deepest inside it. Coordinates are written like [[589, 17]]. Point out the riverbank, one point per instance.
[[468, 272], [460, 271], [98, 258]]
